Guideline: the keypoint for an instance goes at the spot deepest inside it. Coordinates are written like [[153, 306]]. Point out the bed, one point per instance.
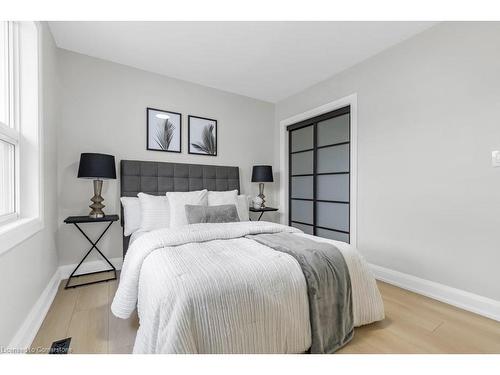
[[220, 287]]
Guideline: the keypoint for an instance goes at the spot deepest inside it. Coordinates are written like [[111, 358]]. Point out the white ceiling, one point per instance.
[[263, 60]]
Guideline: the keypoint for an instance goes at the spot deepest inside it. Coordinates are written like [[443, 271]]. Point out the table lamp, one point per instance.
[[261, 174], [98, 167]]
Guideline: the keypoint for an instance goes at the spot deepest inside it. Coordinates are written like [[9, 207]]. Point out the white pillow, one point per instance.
[[155, 211], [242, 207], [177, 202], [218, 198], [131, 214]]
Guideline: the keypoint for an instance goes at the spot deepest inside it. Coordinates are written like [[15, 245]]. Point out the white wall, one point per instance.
[[103, 109], [26, 269], [428, 119]]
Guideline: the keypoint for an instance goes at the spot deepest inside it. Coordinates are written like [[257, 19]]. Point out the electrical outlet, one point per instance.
[[495, 158]]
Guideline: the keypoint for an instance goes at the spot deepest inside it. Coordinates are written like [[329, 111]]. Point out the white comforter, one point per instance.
[[204, 288]]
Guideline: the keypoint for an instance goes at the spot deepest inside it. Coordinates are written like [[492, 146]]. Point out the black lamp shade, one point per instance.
[[262, 173], [98, 166]]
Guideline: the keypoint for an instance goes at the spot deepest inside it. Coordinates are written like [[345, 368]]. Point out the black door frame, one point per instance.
[[313, 121]]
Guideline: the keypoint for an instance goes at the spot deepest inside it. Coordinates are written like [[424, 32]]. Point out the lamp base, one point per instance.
[[261, 195], [97, 206], [96, 215]]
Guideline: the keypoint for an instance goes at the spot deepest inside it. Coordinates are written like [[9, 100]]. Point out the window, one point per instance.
[[9, 135], [319, 175], [20, 156]]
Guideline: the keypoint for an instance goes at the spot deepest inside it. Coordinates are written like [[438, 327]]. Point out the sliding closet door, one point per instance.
[[302, 178], [319, 175]]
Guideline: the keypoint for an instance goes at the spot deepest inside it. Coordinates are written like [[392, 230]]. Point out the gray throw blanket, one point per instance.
[[328, 288]]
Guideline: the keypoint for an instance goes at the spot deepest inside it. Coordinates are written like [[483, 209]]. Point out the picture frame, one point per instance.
[[202, 136], [163, 130]]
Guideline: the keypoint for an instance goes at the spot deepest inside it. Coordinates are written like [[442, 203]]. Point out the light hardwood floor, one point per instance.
[[413, 324]]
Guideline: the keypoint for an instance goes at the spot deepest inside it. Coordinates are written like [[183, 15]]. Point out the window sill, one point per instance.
[[12, 234]]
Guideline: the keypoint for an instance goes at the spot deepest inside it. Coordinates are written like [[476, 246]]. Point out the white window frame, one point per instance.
[[9, 131], [24, 131]]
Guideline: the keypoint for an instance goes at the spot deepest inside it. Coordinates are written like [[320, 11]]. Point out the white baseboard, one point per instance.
[[92, 266], [26, 333], [484, 306]]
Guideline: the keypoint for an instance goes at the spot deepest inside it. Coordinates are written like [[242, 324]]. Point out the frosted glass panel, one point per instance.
[[333, 187], [302, 211], [302, 163], [334, 130], [333, 215], [305, 228], [333, 159], [332, 235], [302, 139], [302, 187]]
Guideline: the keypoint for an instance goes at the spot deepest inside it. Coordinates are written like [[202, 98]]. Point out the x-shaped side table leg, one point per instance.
[[94, 246], [260, 216]]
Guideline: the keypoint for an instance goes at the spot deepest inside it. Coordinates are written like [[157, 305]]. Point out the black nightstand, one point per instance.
[[75, 220], [262, 210]]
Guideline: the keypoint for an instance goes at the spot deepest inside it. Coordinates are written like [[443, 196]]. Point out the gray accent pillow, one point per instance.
[[225, 213]]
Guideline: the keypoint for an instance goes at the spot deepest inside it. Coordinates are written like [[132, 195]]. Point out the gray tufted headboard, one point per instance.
[[157, 178]]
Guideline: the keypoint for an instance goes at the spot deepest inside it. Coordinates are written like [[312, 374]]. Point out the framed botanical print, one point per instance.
[[164, 129], [202, 136]]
